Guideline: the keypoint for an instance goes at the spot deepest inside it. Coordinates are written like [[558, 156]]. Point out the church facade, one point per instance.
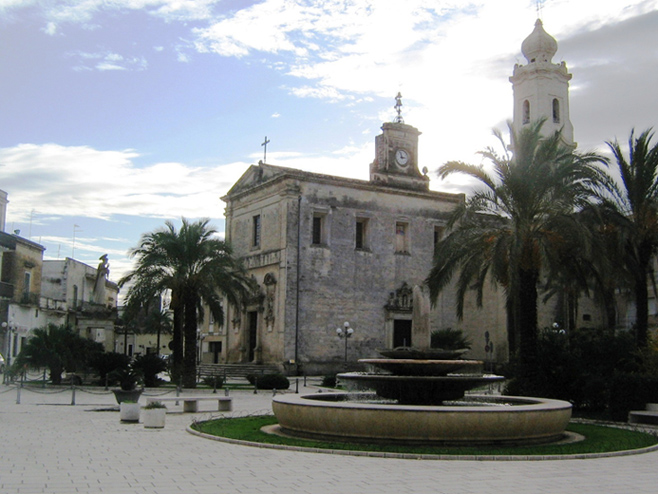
[[327, 251]]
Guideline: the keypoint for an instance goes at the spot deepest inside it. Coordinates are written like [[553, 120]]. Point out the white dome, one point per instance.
[[539, 46]]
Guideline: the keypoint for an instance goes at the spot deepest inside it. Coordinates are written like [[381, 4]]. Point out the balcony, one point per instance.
[[29, 299]]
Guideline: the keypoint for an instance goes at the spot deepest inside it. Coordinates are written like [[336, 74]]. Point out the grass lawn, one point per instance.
[[598, 439]]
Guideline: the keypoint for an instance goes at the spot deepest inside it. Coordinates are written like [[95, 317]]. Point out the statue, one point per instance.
[[102, 273]]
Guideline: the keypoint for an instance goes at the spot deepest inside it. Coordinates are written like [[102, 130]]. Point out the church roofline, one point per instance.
[[280, 173]]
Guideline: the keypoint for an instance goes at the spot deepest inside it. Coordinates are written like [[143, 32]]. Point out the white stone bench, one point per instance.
[[646, 417], [191, 403]]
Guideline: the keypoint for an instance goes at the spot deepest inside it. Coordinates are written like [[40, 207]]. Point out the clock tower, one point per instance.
[[396, 155]]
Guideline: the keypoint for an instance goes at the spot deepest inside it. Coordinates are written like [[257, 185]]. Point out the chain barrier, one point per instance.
[[88, 391], [9, 388], [42, 392]]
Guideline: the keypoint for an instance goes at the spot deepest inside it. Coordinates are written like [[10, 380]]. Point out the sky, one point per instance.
[[119, 115]]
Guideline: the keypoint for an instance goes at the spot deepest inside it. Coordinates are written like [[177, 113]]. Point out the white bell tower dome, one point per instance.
[[541, 88]]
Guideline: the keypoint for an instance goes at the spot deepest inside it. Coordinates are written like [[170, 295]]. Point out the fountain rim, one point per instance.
[[409, 361], [526, 403]]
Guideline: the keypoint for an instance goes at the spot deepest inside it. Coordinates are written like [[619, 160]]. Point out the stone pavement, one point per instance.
[[48, 446]]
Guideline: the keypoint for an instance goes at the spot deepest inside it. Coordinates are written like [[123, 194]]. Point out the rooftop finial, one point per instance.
[[398, 108]]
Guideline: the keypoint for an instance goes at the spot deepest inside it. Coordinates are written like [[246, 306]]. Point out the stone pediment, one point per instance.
[[254, 176]]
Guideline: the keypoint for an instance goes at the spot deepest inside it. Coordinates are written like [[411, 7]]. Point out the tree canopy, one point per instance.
[[197, 268], [516, 225]]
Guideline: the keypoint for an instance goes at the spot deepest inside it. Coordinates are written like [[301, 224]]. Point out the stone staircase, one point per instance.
[[235, 371], [644, 417]]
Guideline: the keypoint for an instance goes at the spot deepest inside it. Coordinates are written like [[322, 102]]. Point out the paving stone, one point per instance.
[[49, 446]]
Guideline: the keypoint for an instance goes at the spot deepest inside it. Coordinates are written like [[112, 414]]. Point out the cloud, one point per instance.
[[103, 61], [83, 12], [102, 184]]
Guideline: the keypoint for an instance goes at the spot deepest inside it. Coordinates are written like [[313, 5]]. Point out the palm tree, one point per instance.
[[57, 348], [196, 268], [515, 227], [634, 207]]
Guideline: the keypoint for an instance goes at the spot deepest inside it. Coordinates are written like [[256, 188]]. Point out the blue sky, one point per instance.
[[116, 116]]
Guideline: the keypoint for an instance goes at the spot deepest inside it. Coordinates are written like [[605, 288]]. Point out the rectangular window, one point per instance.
[[402, 237], [318, 234], [27, 280], [256, 231], [361, 233]]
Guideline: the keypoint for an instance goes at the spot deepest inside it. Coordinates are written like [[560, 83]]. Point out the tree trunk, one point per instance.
[[177, 355], [610, 308], [189, 359], [641, 311], [512, 327], [527, 325], [56, 374]]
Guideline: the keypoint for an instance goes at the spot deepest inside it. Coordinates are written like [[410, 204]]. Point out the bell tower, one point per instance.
[[541, 88], [396, 155]]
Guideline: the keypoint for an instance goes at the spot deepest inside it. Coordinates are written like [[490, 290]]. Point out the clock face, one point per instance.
[[401, 157]]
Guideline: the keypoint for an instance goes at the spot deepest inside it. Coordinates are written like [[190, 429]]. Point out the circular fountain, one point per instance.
[[420, 399]]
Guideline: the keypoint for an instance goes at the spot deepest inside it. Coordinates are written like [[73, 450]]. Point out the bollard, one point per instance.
[[255, 385], [214, 385], [297, 386], [106, 383], [304, 380], [72, 394], [177, 393], [225, 391], [43, 380]]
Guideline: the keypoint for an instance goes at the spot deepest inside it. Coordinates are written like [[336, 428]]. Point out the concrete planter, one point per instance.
[[129, 412], [122, 395], [154, 418]]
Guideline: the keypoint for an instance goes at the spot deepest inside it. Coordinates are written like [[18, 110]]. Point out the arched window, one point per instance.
[[526, 112], [556, 111]]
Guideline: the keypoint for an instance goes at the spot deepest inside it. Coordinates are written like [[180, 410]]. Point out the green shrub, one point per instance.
[[578, 367], [154, 404], [150, 366], [449, 339], [631, 392], [107, 362], [128, 378], [213, 381], [329, 381], [269, 381]]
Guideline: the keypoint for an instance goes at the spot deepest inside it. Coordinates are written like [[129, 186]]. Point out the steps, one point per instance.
[[232, 371]]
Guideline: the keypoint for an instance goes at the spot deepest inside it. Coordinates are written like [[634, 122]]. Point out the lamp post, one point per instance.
[[8, 341], [345, 332]]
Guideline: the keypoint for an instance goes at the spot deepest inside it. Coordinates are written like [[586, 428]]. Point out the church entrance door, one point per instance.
[[252, 321], [401, 333]]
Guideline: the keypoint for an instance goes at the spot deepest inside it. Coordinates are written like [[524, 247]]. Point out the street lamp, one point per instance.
[[8, 337], [345, 332]]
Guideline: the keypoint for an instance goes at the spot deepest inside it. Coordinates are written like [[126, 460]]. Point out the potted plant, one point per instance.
[[129, 411], [154, 415], [128, 379]]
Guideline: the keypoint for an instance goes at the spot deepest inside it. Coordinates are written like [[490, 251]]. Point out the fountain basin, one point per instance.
[[418, 390], [415, 367], [509, 419]]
